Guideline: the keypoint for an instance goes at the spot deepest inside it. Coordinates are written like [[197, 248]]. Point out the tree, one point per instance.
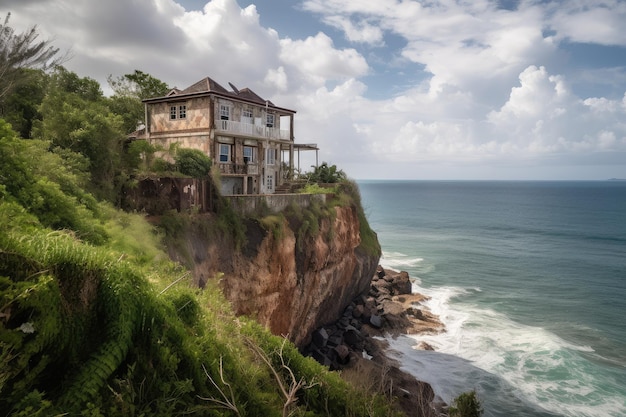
[[22, 50], [42, 183], [20, 107], [139, 85], [129, 90], [76, 117]]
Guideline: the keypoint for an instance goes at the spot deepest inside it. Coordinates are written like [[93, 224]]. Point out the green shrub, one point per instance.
[[274, 223], [315, 188], [466, 405], [325, 174], [161, 166], [192, 162], [39, 181]]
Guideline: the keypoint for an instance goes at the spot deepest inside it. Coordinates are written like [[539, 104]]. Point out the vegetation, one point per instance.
[[325, 174], [129, 90], [20, 51], [192, 163], [95, 319], [112, 328], [466, 405]]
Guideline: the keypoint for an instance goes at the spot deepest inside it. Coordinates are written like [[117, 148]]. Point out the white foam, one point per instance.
[[394, 260], [543, 368]]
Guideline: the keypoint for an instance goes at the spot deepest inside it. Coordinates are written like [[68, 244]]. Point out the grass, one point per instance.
[[119, 331]]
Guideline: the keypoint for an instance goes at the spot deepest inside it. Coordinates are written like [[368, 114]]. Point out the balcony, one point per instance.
[[239, 169], [251, 130]]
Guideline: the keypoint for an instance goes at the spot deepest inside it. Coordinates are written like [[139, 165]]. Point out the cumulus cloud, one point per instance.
[[593, 21], [484, 88], [318, 61]]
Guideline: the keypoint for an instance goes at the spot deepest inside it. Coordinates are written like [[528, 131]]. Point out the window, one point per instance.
[[178, 112], [269, 120], [224, 153], [248, 154], [270, 156], [247, 116], [224, 112], [270, 183]]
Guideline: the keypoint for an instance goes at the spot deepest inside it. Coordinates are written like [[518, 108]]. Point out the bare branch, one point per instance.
[[289, 392], [227, 403]]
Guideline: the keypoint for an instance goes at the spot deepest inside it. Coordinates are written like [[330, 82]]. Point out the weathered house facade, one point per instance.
[[249, 138]]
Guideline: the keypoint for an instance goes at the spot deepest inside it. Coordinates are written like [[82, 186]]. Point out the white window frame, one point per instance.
[[227, 147], [269, 120], [182, 111], [247, 116], [224, 112], [250, 150], [270, 183], [172, 112]]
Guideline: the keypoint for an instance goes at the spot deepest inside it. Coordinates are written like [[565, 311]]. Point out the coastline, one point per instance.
[[356, 345]]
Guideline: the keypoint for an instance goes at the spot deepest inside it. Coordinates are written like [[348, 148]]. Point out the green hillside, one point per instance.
[[96, 321]]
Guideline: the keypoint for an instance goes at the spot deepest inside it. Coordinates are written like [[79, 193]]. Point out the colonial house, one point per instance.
[[249, 138]]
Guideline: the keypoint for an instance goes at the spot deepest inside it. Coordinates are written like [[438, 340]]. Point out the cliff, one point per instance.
[[289, 281]]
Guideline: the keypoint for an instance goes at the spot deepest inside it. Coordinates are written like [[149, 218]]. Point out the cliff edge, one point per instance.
[[291, 276]]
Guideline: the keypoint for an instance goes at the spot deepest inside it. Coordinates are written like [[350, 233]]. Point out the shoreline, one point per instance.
[[355, 345]]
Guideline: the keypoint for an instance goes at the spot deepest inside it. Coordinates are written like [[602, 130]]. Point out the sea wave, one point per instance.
[[396, 260], [511, 364]]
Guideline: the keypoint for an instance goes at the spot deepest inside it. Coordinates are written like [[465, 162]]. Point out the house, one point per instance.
[[249, 138]]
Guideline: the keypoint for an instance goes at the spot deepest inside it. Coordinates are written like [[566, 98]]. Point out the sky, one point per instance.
[[388, 89]]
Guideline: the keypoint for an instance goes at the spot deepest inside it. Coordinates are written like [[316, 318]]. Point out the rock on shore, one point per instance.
[[354, 342]]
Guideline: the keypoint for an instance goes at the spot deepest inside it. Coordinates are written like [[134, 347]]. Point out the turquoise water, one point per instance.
[[530, 280]]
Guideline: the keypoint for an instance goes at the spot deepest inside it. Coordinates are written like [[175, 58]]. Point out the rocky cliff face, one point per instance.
[[290, 284]]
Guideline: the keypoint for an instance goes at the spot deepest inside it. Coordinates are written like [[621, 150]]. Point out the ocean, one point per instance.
[[530, 281]]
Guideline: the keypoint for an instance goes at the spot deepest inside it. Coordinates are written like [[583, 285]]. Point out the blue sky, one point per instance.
[[404, 89]]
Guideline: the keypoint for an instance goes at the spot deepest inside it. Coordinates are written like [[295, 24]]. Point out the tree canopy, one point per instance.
[[129, 90], [23, 50]]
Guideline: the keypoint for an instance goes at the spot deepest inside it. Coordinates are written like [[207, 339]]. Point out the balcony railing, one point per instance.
[[252, 130], [239, 169]]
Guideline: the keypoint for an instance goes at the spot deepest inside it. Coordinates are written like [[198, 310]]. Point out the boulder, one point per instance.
[[393, 308], [376, 321], [320, 337], [353, 337], [334, 340], [401, 283], [424, 346], [343, 354], [380, 272]]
